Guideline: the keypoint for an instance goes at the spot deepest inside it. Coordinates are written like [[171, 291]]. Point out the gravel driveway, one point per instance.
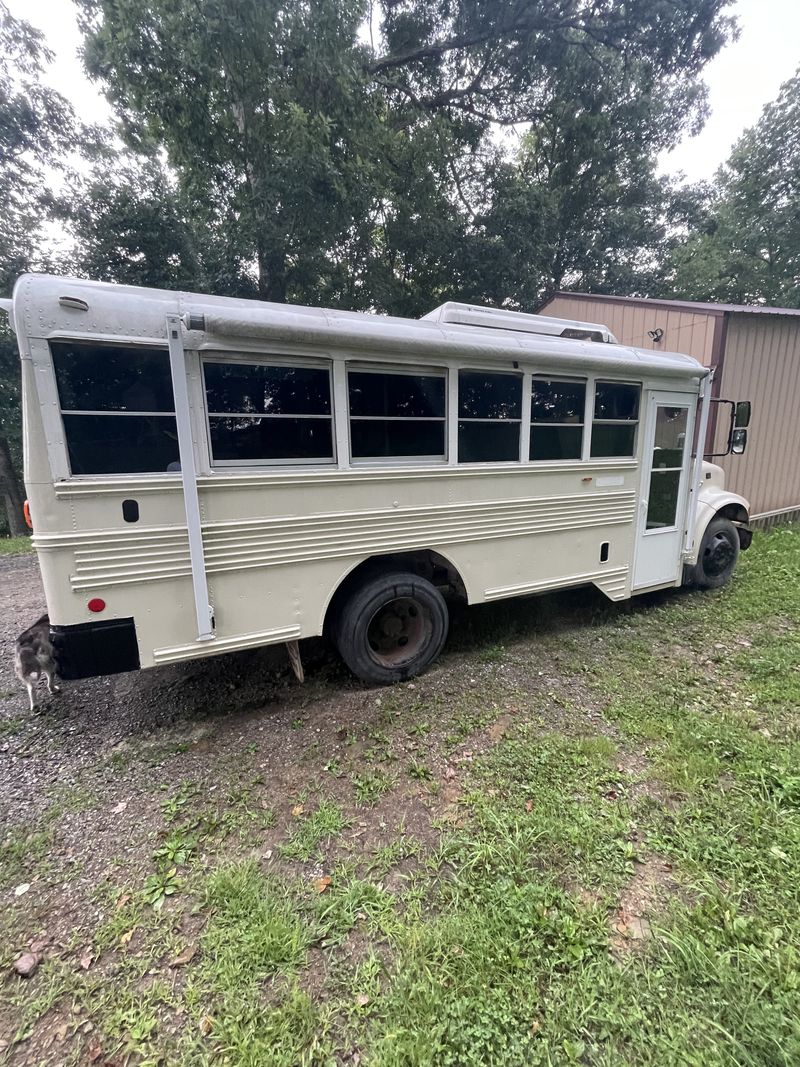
[[94, 718]]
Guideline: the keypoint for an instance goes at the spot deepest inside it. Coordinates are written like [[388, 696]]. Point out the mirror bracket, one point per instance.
[[737, 432]]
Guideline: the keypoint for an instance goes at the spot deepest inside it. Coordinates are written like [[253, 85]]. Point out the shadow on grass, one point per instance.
[[473, 628]]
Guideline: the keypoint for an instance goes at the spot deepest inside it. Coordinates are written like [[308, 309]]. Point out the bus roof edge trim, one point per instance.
[[429, 338]]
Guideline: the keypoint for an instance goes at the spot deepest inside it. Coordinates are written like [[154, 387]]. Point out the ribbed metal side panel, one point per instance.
[[153, 555], [614, 584], [762, 364], [225, 644]]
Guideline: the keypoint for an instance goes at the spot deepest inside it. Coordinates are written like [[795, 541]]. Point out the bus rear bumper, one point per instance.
[[90, 649]]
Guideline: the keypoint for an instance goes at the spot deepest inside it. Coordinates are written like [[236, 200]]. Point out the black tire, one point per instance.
[[391, 628], [719, 552]]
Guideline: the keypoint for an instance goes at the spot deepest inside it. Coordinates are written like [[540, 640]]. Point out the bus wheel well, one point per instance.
[[738, 515], [424, 562], [734, 512]]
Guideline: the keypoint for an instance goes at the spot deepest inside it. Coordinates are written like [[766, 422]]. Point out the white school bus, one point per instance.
[[208, 474]]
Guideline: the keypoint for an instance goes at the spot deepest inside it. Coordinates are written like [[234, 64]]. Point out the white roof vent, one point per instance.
[[456, 314]]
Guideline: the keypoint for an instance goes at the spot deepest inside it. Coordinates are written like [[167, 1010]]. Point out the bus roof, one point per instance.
[[50, 306]]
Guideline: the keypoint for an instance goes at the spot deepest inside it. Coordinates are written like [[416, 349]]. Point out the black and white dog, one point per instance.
[[34, 657]]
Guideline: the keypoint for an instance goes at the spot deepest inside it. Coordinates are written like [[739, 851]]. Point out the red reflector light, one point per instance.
[[96, 604]]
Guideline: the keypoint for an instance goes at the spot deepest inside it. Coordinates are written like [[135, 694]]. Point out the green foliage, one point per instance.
[[37, 127], [312, 830], [748, 248], [159, 886], [368, 175], [650, 771], [370, 787], [15, 546]]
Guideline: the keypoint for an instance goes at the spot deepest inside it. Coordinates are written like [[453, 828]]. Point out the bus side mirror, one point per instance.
[[742, 417], [738, 441]]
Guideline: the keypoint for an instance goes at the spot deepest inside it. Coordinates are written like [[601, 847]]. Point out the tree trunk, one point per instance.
[[12, 494]]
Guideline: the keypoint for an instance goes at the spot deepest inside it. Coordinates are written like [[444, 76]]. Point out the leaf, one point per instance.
[[20, 889], [94, 1051], [184, 957], [126, 937], [362, 1000], [298, 809], [122, 901], [118, 810], [529, 805], [206, 1025], [321, 884], [86, 960]]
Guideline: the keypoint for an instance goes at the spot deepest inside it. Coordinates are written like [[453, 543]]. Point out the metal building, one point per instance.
[[756, 355]]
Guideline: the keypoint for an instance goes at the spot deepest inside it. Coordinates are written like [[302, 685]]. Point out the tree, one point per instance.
[[129, 225], [746, 248], [36, 129], [362, 174], [264, 113]]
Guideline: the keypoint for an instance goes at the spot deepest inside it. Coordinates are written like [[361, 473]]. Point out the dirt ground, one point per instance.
[[175, 704], [94, 764], [306, 781]]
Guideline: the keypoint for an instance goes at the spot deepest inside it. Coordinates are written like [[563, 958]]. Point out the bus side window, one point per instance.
[[117, 407], [489, 416], [616, 416], [396, 413], [557, 412], [268, 413]]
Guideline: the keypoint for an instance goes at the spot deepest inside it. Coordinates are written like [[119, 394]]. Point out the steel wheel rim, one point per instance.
[[718, 556], [398, 631]]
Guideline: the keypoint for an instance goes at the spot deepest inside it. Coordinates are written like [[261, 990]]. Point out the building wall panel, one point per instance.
[[762, 364], [689, 332]]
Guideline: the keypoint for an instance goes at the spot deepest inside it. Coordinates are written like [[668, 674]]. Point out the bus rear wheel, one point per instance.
[[719, 551], [391, 628]]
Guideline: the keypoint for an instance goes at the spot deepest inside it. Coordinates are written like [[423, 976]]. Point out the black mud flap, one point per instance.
[[91, 649], [745, 537]]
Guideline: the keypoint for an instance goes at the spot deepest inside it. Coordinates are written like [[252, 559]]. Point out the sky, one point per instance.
[[741, 80]]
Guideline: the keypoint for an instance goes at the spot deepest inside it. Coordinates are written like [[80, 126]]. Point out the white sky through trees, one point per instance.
[[741, 80]]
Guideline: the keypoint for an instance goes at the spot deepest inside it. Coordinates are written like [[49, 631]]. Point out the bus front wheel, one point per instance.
[[391, 628], [719, 551]]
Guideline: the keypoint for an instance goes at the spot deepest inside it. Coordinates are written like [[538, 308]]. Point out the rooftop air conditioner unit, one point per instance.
[[454, 314]]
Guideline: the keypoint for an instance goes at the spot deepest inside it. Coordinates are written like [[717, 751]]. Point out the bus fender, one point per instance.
[[730, 506]]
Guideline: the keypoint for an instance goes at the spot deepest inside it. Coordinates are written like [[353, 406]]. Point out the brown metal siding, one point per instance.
[[684, 331], [762, 364]]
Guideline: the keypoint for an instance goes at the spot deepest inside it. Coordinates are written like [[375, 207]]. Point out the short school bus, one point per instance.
[[208, 474]]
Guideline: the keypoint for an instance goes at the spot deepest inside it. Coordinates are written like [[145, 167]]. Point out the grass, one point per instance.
[[312, 830], [647, 768], [15, 546]]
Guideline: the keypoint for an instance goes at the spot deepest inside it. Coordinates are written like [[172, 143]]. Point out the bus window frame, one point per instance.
[[338, 361], [587, 381], [610, 461], [49, 401], [376, 366], [278, 359], [523, 375]]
